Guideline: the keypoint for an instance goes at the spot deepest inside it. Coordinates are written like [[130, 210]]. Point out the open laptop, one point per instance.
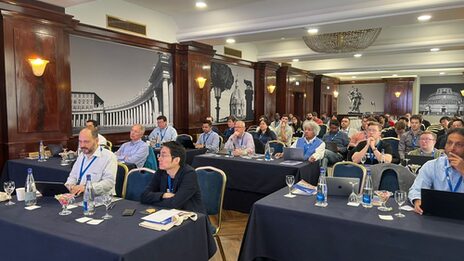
[[294, 154], [50, 189], [442, 203], [419, 160], [340, 186]]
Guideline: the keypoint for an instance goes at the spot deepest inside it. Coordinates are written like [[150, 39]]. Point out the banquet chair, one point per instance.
[[394, 142], [151, 161], [120, 177], [135, 182], [109, 144], [391, 177], [212, 182], [182, 138], [350, 169], [277, 145]]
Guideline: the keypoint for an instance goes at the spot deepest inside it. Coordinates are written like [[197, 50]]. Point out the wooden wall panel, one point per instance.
[[265, 102], [402, 104], [324, 88]]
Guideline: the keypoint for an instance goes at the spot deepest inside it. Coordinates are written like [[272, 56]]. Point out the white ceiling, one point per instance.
[[402, 47]]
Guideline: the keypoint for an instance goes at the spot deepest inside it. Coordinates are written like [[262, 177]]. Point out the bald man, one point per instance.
[[240, 142]]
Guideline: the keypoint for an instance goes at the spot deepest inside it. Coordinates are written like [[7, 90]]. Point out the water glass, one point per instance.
[[106, 199], [363, 159], [271, 151], [353, 198], [400, 198], [9, 187], [383, 195], [289, 180]]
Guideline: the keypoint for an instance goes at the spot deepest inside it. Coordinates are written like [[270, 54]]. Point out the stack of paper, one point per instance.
[[303, 188], [166, 219]]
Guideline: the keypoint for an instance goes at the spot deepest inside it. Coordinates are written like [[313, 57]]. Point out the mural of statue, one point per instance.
[[355, 97]]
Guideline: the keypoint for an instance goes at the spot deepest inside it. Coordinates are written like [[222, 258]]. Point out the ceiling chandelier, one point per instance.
[[342, 42]]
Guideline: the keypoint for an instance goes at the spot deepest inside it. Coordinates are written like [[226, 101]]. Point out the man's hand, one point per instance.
[[456, 162], [199, 146], [168, 195], [77, 189], [371, 142], [417, 206], [312, 159]]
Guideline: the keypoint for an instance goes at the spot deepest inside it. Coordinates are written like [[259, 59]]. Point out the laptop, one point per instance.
[[50, 189], [418, 160], [442, 203], [294, 154], [340, 186], [332, 146]]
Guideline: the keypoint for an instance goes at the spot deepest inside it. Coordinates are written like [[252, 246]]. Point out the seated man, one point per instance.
[[241, 142], [163, 133], [362, 134], [444, 173], [312, 146], [396, 132], [174, 184], [283, 131], [100, 163], [345, 127], [214, 128], [134, 151], [427, 142], [230, 127], [208, 139], [456, 123], [410, 140], [372, 148], [340, 139], [93, 124]]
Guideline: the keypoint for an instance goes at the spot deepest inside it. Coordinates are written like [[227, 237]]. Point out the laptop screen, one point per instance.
[[442, 203]]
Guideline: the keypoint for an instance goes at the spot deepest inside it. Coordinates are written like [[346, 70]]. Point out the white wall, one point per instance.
[[160, 27], [371, 92], [249, 51]]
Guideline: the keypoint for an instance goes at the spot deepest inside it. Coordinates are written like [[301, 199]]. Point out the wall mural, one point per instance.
[[441, 99], [123, 100], [232, 92]]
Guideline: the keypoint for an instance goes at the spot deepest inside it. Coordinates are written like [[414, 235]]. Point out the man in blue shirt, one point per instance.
[[134, 151], [163, 133], [208, 139], [336, 144], [230, 127], [445, 173]]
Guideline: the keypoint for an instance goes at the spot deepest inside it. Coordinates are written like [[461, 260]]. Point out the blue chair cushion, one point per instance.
[[210, 183], [136, 183], [389, 181], [120, 176], [278, 148]]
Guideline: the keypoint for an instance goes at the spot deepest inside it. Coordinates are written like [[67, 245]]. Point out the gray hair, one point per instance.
[[141, 127], [312, 125]]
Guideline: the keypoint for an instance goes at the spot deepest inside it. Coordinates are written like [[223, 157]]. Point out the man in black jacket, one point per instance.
[[174, 185]]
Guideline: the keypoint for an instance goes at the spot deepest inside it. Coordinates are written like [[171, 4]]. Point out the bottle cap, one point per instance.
[[29, 170], [88, 177]]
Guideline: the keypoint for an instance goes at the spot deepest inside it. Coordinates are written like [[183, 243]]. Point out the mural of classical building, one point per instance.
[[443, 102], [237, 103], [154, 100]]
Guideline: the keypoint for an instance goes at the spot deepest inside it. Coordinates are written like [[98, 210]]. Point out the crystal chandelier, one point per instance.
[[342, 42]]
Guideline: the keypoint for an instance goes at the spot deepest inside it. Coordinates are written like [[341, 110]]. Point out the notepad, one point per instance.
[[163, 217]]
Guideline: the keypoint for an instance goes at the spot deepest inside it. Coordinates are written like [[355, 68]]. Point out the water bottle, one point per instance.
[[89, 196], [267, 152], [30, 197], [367, 192], [157, 142], [321, 196], [382, 160], [41, 152]]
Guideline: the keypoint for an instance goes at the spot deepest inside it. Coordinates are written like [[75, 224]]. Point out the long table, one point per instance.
[[249, 180], [42, 234], [282, 228]]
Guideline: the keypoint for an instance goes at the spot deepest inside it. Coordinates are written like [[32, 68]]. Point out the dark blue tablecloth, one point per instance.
[[249, 180], [281, 228], [50, 170], [42, 234]]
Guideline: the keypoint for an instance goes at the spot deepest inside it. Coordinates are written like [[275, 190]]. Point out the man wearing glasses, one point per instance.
[[240, 142], [444, 173], [372, 148], [174, 185], [427, 146]]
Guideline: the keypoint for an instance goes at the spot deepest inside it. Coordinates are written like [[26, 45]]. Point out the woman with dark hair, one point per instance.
[[297, 127], [264, 133]]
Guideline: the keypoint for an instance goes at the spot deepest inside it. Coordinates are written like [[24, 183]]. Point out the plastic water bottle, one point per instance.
[[41, 152], [321, 196], [367, 192], [89, 198], [267, 152], [30, 197], [157, 142]]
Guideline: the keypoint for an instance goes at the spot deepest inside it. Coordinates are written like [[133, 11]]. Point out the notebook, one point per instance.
[[419, 160], [442, 203], [340, 186], [50, 189], [293, 154]]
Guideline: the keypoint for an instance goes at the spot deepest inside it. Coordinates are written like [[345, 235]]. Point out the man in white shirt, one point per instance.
[[134, 151], [284, 132], [93, 124], [208, 139], [163, 133], [240, 142], [96, 161]]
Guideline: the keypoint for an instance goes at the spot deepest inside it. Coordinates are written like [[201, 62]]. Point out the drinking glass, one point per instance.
[[229, 152], [363, 159], [414, 168], [383, 195], [65, 200], [289, 179], [353, 198], [9, 187], [106, 199], [406, 160], [271, 151], [400, 198]]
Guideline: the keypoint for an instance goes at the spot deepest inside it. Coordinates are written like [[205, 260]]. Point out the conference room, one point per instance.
[[142, 73]]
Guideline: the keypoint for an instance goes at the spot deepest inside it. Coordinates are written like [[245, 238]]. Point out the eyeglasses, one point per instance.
[[426, 139], [458, 145], [164, 156]]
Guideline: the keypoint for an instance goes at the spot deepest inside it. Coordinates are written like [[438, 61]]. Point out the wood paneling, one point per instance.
[[402, 104], [265, 102], [291, 83], [324, 88]]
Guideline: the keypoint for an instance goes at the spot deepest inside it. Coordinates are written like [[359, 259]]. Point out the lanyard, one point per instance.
[[458, 184], [414, 140], [334, 136], [81, 173], [162, 135], [169, 184], [206, 137]]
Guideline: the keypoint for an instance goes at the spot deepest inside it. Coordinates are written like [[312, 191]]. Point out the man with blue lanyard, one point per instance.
[[240, 142], [445, 173], [410, 140], [336, 143], [373, 150], [427, 142], [134, 151], [163, 133], [100, 163], [208, 139]]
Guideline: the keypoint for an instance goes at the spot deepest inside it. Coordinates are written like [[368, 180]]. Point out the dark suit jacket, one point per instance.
[[185, 186]]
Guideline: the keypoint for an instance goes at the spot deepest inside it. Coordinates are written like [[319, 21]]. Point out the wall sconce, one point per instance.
[[397, 94], [271, 88], [462, 92], [38, 66], [201, 82], [335, 94]]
